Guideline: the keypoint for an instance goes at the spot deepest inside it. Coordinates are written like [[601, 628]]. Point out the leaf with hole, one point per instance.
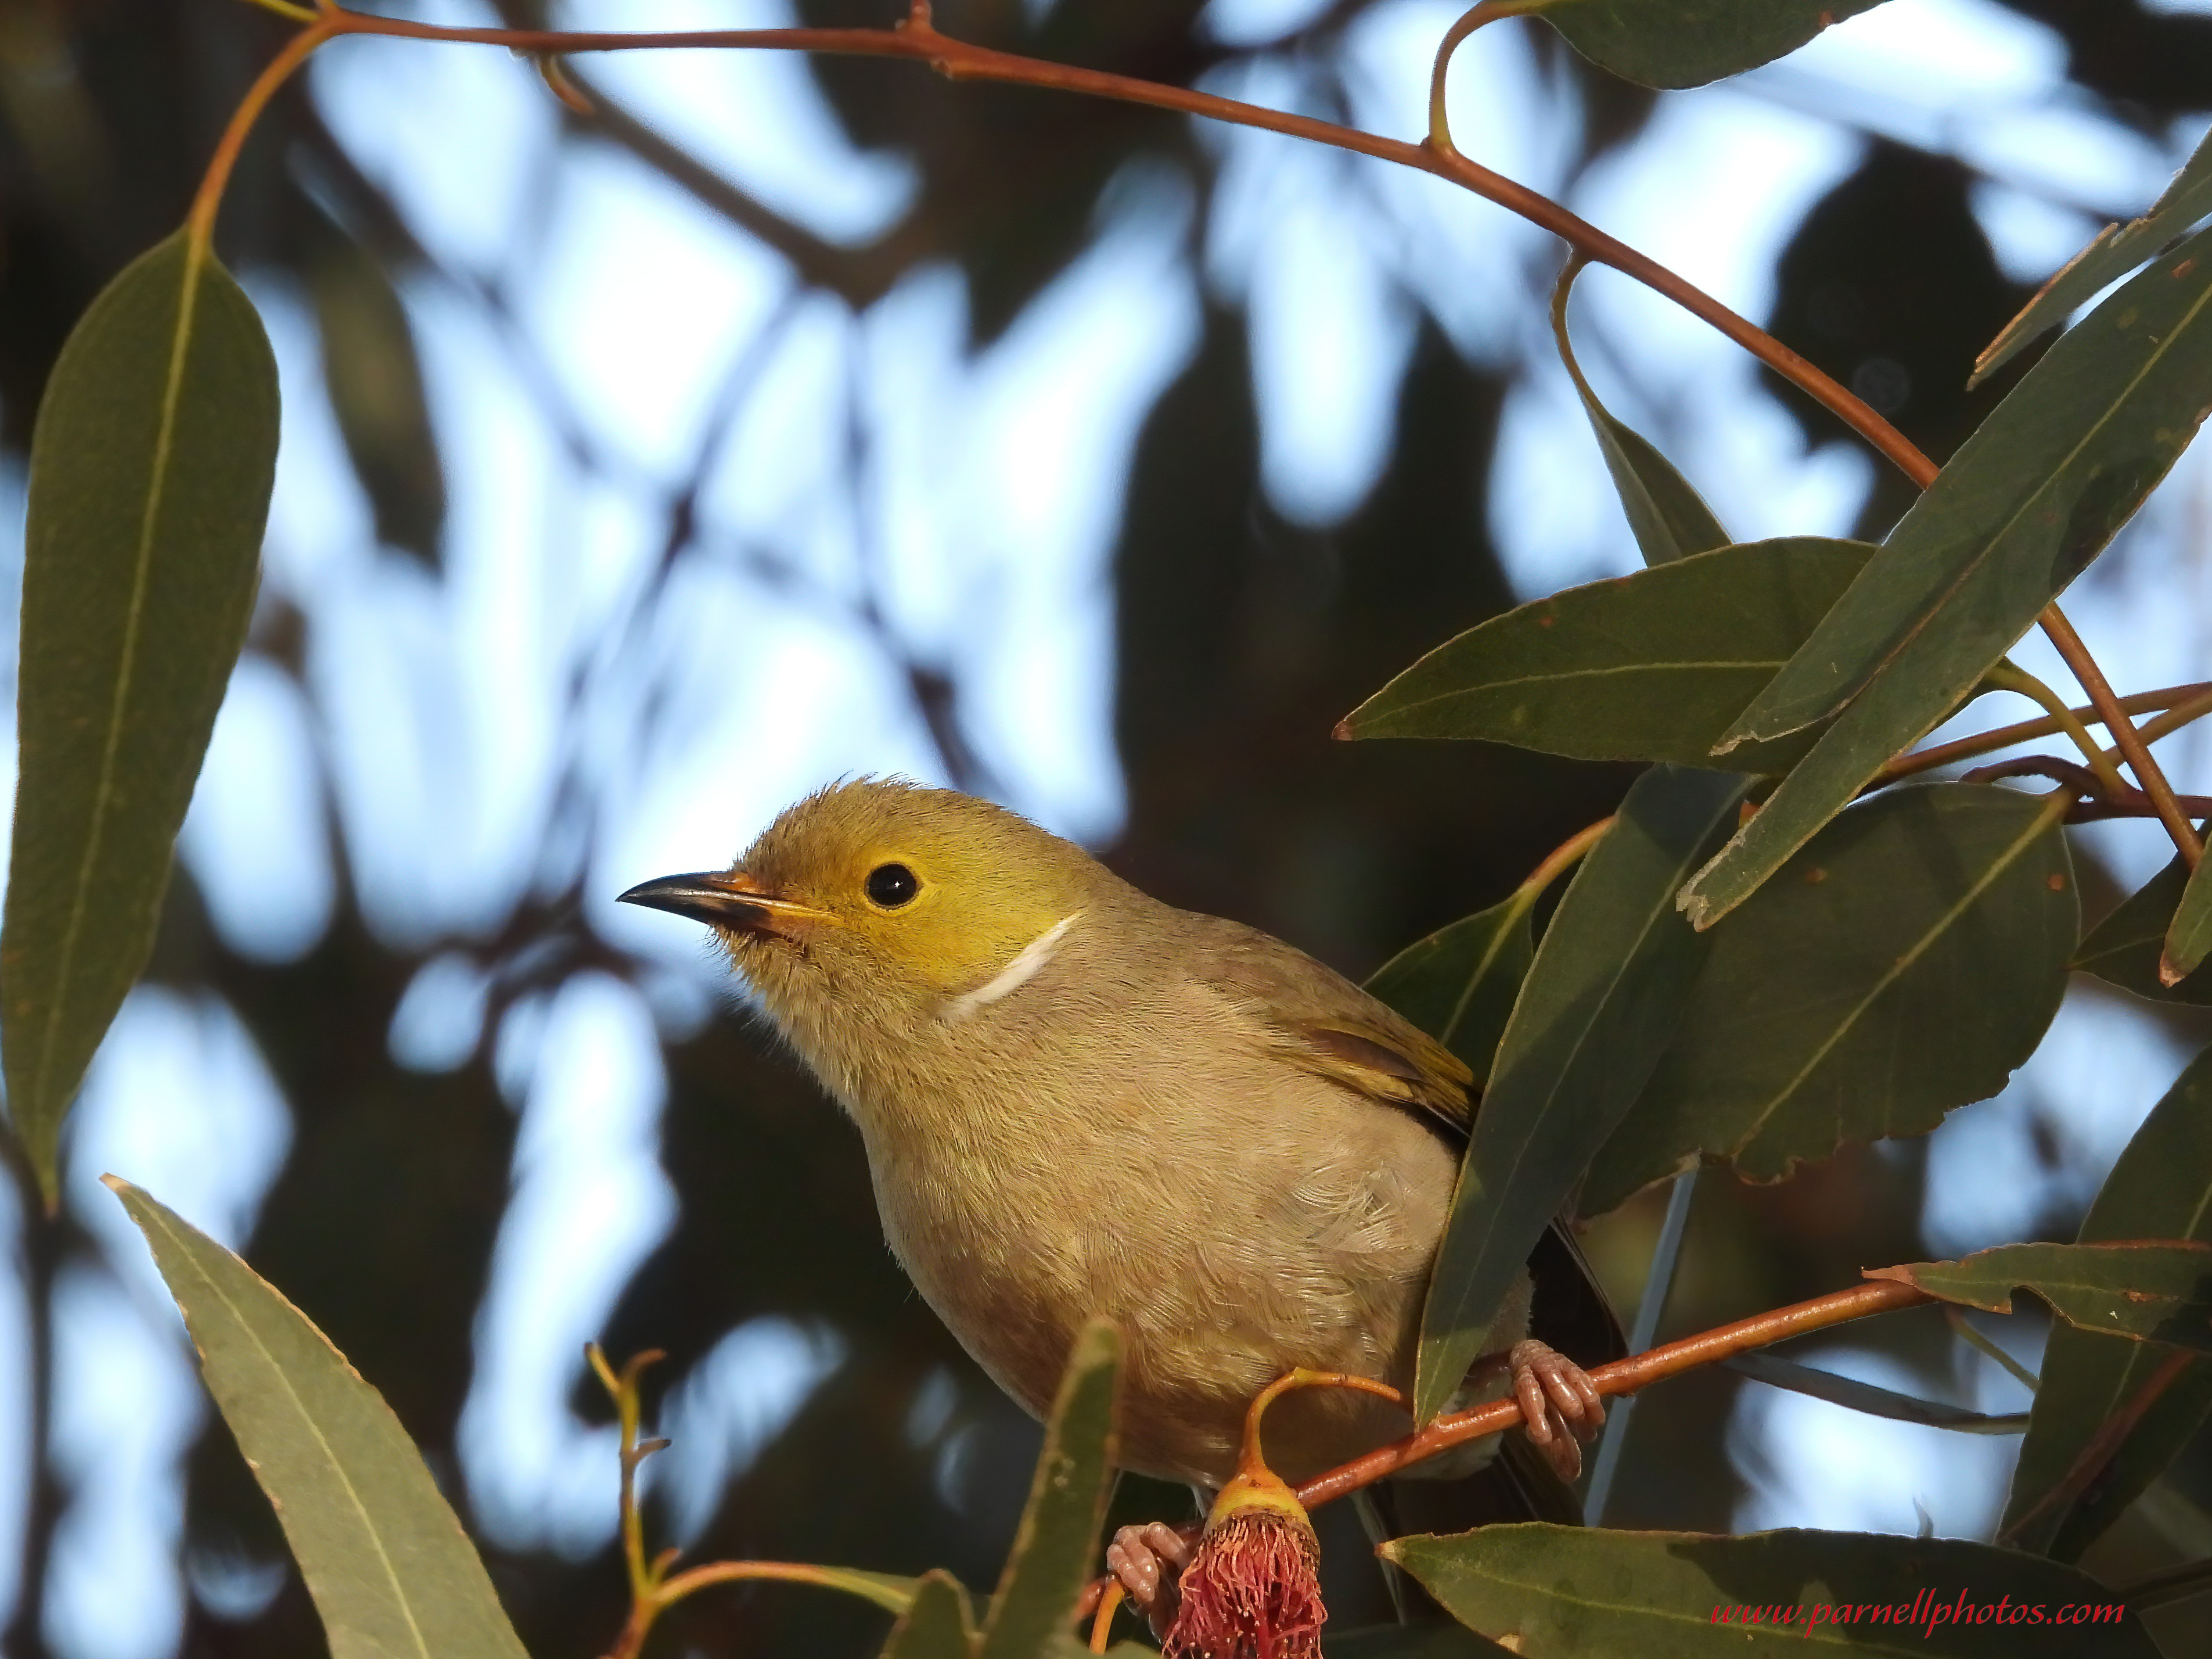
[[2113, 252], [2150, 1290], [2026, 503], [1051, 1557], [150, 472], [389, 1569], [2161, 1186], [1594, 1015], [1554, 1592], [1653, 665], [1685, 43], [1903, 963], [1667, 515], [1458, 984]]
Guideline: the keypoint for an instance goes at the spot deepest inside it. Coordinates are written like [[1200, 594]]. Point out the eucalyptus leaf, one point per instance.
[[1554, 1592], [151, 473], [1458, 984], [1686, 43], [2124, 949], [2150, 1290], [1597, 1008], [1903, 963], [2113, 252], [1425, 1641], [1653, 666], [2190, 938], [2161, 1186], [1059, 1533], [2027, 501], [389, 1569], [937, 1623], [1864, 1398], [374, 375], [1665, 513]]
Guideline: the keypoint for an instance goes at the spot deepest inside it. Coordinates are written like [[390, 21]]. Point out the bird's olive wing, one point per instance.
[[1317, 1020]]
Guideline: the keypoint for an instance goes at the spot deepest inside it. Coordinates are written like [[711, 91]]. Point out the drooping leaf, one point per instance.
[[1665, 513], [2152, 1289], [391, 1573], [375, 380], [1554, 1592], [2190, 938], [1903, 963], [1686, 43], [936, 1625], [2124, 949], [2025, 503], [1649, 667], [1458, 984], [1052, 1554], [1852, 1395], [2161, 1186], [2113, 252], [150, 472], [1596, 1009]]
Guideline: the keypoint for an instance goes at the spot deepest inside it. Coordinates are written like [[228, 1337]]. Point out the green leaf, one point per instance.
[[1458, 984], [390, 1571], [2025, 503], [2123, 949], [936, 1625], [1853, 1395], [1903, 963], [1554, 1592], [1059, 1534], [1430, 1641], [2161, 1186], [150, 474], [2113, 252], [375, 378], [2190, 938], [1665, 513], [2151, 1290], [1653, 666], [1686, 43], [1594, 1015]]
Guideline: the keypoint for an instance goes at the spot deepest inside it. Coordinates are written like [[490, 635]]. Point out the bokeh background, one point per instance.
[[786, 420]]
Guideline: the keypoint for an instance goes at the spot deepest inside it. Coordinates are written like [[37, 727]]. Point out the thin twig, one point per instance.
[[2184, 704], [917, 40]]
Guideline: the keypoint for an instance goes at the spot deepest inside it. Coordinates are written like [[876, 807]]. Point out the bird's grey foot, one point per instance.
[[1148, 1561], [1559, 1405]]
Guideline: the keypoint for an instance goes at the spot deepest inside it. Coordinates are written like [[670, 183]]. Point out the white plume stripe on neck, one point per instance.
[[1029, 961]]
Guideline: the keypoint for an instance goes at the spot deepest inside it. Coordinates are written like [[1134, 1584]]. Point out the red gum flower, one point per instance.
[[1253, 1590]]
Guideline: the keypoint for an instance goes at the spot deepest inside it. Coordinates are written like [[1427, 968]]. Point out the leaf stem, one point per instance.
[[2011, 677], [2184, 703], [199, 223], [1561, 859], [2130, 742]]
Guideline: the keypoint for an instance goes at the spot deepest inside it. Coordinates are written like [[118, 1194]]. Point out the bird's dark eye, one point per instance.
[[892, 885]]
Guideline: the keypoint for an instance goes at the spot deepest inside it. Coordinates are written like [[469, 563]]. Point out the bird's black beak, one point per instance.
[[722, 899]]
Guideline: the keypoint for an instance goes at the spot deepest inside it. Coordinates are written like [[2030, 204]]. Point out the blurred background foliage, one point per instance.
[[781, 420]]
